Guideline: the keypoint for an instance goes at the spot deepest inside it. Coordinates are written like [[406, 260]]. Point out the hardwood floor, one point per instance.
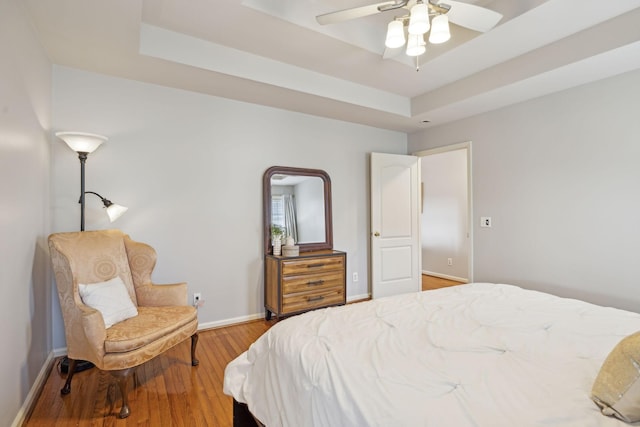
[[167, 390], [432, 282]]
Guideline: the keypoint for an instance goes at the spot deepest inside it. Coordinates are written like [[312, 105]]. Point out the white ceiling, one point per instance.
[[273, 52]]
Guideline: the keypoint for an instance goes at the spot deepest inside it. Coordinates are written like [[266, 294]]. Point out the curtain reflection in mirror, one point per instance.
[[283, 213], [290, 221]]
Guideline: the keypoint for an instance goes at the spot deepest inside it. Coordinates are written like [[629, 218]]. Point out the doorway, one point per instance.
[[446, 212]]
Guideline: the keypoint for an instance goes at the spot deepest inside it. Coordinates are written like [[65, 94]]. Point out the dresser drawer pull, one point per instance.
[[315, 265], [315, 283], [312, 299]]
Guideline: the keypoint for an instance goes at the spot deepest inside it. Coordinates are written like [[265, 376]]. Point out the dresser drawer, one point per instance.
[[312, 265], [311, 282], [311, 300]]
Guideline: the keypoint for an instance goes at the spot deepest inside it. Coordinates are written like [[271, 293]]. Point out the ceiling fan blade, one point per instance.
[[471, 16], [347, 14]]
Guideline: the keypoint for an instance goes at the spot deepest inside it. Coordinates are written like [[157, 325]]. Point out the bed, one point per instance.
[[479, 354]]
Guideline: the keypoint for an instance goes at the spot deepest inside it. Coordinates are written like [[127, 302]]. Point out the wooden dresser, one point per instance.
[[301, 283]]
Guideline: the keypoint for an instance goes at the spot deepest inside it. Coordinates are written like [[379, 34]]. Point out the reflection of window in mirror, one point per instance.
[[283, 209], [299, 208], [277, 210]]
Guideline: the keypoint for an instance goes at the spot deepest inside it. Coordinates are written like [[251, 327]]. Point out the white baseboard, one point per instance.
[[231, 321], [34, 392], [446, 276], [358, 297], [256, 316], [57, 352]]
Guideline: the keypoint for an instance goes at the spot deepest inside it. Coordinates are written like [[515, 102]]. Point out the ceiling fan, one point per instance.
[[415, 17]]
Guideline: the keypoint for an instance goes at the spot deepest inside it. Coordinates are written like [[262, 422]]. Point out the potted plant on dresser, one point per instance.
[[277, 233]]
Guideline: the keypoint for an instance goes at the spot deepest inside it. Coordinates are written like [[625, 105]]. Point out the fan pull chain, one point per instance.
[[417, 63]]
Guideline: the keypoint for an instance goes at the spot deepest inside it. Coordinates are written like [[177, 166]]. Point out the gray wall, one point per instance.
[[189, 167], [25, 105], [444, 219], [559, 175]]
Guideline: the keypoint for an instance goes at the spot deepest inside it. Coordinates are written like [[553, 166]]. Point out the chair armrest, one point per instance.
[[152, 295], [91, 346]]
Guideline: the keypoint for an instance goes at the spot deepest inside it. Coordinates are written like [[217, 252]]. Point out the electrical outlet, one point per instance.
[[355, 277], [197, 299], [485, 221], [449, 261]]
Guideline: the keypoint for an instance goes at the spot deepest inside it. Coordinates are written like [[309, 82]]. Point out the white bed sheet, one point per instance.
[[473, 355]]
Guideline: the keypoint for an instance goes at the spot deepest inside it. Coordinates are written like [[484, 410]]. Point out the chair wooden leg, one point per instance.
[[122, 378], [194, 343], [71, 370]]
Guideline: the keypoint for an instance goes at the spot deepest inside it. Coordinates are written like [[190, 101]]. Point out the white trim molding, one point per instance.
[[34, 392], [445, 276]]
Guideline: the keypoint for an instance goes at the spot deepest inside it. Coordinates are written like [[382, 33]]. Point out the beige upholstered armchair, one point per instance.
[[113, 275]]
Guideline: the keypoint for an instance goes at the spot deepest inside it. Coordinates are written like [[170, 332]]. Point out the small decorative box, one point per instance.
[[290, 250]]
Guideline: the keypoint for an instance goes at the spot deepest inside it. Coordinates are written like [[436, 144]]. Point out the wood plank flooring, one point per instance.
[[432, 282], [166, 391]]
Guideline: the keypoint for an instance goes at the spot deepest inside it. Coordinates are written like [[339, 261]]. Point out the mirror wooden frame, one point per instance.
[[266, 198]]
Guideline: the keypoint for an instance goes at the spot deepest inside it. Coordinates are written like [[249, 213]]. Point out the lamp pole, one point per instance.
[[83, 144], [83, 159]]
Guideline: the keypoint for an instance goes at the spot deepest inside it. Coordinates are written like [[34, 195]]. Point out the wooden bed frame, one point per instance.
[[242, 417]]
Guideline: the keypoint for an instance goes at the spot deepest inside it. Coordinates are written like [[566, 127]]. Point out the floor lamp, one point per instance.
[[84, 144]]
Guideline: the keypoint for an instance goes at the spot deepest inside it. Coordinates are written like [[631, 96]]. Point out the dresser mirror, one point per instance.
[[298, 200]]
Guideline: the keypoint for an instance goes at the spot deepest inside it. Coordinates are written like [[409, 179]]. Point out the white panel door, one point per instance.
[[395, 223]]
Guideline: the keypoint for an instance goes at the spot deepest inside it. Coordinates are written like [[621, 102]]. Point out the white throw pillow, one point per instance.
[[110, 298]]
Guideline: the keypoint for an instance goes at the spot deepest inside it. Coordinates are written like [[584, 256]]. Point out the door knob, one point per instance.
[[376, 234]]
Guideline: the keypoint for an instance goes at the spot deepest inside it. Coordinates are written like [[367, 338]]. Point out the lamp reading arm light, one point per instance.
[[114, 211]]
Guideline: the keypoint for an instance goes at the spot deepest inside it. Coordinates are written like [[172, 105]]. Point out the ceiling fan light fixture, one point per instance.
[[419, 20], [440, 30], [415, 45], [395, 35]]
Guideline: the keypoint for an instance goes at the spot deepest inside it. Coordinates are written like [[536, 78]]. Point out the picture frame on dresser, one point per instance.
[[316, 276]]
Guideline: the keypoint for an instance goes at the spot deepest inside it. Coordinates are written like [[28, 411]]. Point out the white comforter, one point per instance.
[[481, 355]]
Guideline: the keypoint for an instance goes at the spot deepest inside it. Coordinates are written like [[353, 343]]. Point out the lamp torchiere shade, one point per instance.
[[82, 142]]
